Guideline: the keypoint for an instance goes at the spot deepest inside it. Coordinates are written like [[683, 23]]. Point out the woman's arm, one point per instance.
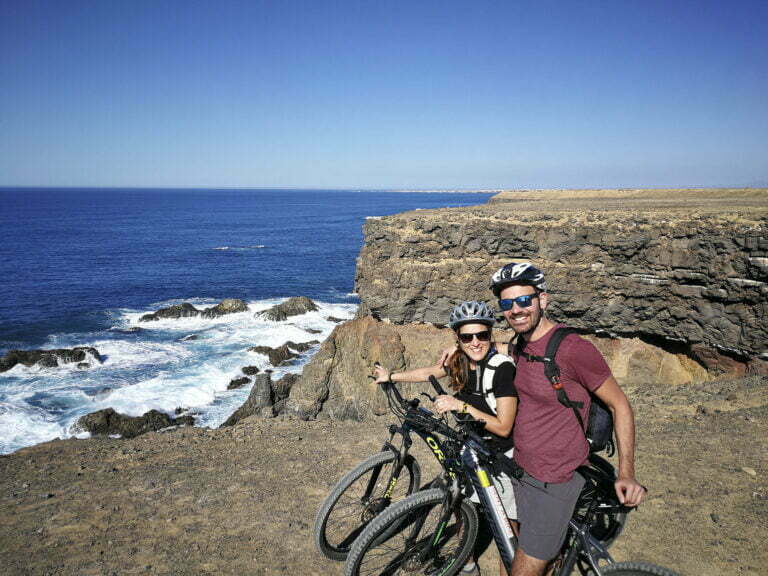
[[501, 424], [415, 375]]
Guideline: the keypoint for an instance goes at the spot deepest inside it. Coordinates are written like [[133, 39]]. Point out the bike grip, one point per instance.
[[436, 385]]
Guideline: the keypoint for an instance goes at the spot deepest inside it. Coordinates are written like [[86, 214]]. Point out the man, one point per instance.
[[549, 441]]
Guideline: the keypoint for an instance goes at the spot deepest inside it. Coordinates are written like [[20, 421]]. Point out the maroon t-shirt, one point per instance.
[[549, 443]]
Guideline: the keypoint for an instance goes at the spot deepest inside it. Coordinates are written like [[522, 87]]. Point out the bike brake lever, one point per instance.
[[431, 398]]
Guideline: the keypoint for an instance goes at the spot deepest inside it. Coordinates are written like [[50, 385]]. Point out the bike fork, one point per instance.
[[494, 509]]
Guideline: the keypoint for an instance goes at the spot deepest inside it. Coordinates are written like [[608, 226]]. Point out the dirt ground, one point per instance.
[[242, 500]]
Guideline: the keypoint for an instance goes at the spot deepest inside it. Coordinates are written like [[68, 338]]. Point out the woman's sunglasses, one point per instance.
[[483, 336], [521, 301]]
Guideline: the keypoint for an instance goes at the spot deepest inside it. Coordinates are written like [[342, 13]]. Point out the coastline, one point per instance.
[[242, 498]]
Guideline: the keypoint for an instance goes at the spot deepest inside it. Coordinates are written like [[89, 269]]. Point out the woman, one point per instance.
[[482, 381]]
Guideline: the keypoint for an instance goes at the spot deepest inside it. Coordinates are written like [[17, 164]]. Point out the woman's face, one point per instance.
[[479, 340]]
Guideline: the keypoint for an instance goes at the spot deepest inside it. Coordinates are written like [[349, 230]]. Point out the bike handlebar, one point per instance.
[[436, 385]]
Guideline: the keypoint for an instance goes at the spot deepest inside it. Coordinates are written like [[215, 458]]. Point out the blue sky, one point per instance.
[[383, 94]]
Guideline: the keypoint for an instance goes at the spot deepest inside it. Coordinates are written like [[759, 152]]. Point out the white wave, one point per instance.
[[23, 426], [253, 247], [374, 217], [153, 369]]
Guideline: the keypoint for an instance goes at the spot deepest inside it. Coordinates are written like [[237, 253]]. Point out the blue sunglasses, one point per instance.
[[521, 301]]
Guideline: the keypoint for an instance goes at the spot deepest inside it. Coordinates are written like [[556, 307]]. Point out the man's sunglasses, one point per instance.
[[521, 301], [483, 336]]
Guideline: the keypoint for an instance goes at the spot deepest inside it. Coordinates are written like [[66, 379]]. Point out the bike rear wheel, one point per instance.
[[358, 498], [381, 550], [637, 569]]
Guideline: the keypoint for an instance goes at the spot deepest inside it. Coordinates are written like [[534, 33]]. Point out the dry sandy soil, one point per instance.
[[242, 500]]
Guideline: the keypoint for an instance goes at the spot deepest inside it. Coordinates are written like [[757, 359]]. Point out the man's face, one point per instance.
[[523, 320]]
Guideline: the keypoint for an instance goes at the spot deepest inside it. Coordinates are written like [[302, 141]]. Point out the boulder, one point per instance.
[[183, 310], [226, 306], [251, 370], [301, 346], [277, 356], [260, 397], [238, 383], [335, 320], [291, 307], [335, 383], [108, 422], [49, 358]]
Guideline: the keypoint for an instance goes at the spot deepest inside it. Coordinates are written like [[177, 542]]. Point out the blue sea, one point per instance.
[[78, 267]]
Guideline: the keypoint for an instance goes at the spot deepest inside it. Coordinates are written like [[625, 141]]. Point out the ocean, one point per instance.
[[80, 266]]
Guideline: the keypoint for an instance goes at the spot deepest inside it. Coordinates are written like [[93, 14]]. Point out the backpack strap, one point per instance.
[[551, 369], [489, 371]]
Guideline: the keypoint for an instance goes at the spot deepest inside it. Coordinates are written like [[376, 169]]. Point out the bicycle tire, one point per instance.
[[637, 569], [343, 514], [456, 539]]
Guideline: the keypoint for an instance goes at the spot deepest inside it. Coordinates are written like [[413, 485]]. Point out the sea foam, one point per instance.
[[162, 365]]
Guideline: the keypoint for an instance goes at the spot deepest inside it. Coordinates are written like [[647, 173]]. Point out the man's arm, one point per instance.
[[628, 489]]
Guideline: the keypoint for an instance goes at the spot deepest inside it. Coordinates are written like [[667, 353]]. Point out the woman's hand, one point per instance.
[[445, 403], [382, 374], [447, 353]]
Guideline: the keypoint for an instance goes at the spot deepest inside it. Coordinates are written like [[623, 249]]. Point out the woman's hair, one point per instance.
[[458, 367]]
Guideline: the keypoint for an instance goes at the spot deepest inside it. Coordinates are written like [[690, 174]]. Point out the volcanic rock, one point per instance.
[[108, 422], [251, 370], [301, 346], [226, 306], [291, 307], [238, 383], [183, 310], [675, 267], [260, 397], [281, 388], [277, 356], [49, 358]]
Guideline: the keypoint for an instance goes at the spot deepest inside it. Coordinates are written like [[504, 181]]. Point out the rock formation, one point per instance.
[[226, 306], [672, 286], [108, 422], [291, 307], [681, 267], [187, 310], [183, 310], [259, 400], [238, 382], [50, 358], [277, 356]]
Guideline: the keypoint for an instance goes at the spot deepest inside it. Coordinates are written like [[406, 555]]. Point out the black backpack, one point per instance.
[[599, 429]]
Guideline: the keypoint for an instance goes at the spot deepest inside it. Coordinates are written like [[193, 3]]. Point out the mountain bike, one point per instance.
[[369, 488], [433, 531]]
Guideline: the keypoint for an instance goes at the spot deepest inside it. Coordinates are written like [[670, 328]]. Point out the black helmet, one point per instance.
[[518, 273], [470, 312]]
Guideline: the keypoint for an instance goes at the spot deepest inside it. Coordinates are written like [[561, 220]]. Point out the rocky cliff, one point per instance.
[[671, 284], [673, 267]]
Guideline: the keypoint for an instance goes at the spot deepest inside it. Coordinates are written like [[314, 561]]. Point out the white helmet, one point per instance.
[[470, 312]]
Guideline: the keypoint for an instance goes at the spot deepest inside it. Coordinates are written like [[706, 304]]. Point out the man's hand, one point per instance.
[[447, 353], [629, 491]]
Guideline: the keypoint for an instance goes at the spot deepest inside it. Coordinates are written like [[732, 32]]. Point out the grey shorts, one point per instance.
[[544, 510], [503, 484]]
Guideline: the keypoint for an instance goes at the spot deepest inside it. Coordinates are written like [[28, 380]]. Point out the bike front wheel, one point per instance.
[[637, 569], [362, 494], [420, 544]]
